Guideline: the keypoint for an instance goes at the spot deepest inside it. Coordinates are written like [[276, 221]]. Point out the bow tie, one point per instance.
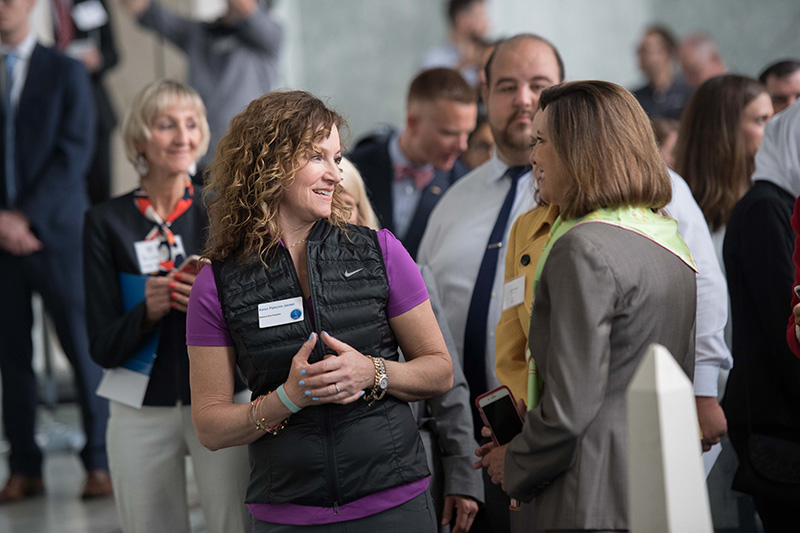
[[422, 176]]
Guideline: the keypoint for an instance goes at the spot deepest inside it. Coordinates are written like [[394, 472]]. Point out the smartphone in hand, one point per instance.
[[190, 265], [498, 410]]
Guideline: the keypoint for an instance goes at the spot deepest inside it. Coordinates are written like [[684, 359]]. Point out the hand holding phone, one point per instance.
[[498, 410], [190, 265]]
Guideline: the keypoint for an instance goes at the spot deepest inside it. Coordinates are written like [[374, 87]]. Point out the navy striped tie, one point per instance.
[[475, 333]]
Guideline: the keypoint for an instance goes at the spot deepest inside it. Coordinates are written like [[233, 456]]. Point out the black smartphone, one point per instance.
[[499, 412]]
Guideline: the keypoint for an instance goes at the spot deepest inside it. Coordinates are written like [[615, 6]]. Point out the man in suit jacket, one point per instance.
[[445, 425], [47, 143], [406, 173], [82, 29]]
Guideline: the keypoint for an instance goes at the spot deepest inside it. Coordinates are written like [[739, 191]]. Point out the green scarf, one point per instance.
[[659, 229]]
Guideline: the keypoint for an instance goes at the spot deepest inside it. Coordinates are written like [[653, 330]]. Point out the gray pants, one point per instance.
[[147, 450], [415, 515]]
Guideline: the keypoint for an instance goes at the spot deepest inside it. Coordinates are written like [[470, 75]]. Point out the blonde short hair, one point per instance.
[[353, 184], [153, 99]]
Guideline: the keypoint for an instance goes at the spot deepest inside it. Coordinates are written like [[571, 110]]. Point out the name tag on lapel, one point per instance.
[[514, 292], [280, 312]]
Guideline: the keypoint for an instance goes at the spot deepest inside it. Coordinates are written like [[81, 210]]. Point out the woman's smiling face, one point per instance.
[[309, 197]]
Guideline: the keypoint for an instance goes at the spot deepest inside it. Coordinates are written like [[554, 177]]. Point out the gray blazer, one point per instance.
[[605, 295], [445, 425]]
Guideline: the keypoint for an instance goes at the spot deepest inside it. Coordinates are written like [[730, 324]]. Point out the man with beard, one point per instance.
[[464, 243]]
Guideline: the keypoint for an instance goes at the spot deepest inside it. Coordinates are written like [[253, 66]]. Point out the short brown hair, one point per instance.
[[445, 83], [711, 154], [255, 163], [604, 140]]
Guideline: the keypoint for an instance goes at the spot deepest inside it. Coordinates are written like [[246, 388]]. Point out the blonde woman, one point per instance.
[[149, 232]]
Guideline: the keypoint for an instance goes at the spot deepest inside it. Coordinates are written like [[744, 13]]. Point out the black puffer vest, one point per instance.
[[331, 454]]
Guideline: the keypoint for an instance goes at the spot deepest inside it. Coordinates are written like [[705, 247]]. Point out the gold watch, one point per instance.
[[381, 382]]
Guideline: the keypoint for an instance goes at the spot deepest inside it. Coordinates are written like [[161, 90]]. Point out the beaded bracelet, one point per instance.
[[261, 424]]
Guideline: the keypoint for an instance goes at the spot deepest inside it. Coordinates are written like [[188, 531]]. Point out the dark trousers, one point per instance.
[[98, 179], [57, 276], [494, 515], [777, 516], [416, 515]]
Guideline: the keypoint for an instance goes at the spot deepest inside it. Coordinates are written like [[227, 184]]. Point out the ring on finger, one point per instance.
[[337, 388]]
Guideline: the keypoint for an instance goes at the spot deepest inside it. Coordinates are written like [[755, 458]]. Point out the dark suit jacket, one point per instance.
[[371, 157], [445, 424], [54, 143], [103, 38]]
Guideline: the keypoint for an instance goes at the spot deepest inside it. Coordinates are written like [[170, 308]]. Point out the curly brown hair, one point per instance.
[[255, 162]]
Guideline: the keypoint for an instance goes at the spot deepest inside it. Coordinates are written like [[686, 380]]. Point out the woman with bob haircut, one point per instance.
[[312, 310], [720, 132], [613, 277], [136, 306]]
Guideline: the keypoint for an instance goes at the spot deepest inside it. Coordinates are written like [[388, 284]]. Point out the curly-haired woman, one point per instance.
[[312, 311]]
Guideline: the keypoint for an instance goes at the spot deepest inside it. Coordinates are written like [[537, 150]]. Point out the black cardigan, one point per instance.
[[109, 234]]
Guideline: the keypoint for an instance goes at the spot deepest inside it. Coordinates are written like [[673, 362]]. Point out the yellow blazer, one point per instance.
[[525, 244]]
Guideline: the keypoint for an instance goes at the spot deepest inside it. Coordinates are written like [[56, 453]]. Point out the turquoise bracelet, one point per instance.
[[287, 401]]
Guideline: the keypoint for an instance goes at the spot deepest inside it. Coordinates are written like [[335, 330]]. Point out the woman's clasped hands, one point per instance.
[[340, 378]]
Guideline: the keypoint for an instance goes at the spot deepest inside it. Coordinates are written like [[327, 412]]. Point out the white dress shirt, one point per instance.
[[23, 52], [712, 354], [455, 241]]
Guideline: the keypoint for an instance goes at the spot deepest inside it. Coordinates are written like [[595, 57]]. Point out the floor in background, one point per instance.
[[60, 509]]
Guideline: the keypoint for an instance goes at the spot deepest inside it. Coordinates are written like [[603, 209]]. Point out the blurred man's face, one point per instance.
[[474, 21], [14, 15], [479, 146], [519, 74], [699, 65], [653, 55], [784, 91], [438, 130]]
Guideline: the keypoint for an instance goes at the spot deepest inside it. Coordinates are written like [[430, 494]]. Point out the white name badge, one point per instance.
[[89, 15], [147, 255], [150, 254], [514, 292], [281, 312]]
